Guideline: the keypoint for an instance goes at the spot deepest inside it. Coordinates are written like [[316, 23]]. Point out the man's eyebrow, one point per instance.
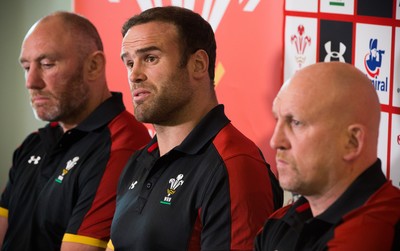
[[141, 51], [23, 60]]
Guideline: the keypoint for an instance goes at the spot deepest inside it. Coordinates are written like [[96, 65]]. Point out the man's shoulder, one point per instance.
[[126, 120], [231, 140], [388, 196], [32, 139], [126, 125], [373, 225], [281, 212], [383, 205]]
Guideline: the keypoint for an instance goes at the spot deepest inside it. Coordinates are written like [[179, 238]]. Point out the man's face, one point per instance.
[[306, 138], [53, 73], [160, 87]]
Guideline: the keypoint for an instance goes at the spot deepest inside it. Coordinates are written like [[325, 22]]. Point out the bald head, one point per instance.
[[343, 89], [341, 93], [66, 25]]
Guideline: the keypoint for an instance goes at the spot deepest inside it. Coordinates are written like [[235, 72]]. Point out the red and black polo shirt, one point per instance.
[[212, 192], [366, 217], [62, 186]]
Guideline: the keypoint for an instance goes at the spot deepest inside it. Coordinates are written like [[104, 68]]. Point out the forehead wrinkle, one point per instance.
[[277, 108], [141, 51], [25, 60], [292, 102]]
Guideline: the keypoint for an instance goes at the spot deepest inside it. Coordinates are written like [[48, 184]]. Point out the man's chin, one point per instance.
[[44, 116]]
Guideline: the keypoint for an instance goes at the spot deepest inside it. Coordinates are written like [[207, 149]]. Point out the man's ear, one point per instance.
[[199, 63], [95, 64], [355, 141]]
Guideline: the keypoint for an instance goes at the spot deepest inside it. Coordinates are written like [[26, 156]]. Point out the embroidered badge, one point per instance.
[[34, 159], [174, 184], [70, 164]]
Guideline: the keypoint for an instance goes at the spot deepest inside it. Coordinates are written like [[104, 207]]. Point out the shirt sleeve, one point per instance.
[[6, 193], [127, 136], [378, 231], [97, 221], [244, 206]]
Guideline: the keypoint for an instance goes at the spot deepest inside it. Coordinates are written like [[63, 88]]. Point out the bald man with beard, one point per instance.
[[326, 136], [62, 183]]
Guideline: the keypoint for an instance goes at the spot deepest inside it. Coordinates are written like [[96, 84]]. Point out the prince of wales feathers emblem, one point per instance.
[[70, 164], [174, 184]]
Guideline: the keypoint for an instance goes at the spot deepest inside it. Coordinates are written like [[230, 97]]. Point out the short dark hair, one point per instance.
[[194, 32]]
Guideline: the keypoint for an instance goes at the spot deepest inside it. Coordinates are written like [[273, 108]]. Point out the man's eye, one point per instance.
[[295, 122], [129, 64], [47, 65], [150, 59]]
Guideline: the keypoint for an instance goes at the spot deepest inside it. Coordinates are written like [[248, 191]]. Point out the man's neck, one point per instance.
[[169, 137]]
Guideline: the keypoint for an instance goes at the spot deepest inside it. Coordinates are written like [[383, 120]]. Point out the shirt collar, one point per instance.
[[108, 110], [104, 113], [203, 133], [357, 194]]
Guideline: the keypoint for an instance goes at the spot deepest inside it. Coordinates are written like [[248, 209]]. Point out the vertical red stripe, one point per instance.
[[250, 187]]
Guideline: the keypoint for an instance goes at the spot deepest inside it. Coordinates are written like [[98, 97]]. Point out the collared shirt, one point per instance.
[[211, 192], [365, 217], [63, 185]]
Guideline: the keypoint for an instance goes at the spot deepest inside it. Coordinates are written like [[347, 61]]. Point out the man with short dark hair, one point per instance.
[[200, 184]]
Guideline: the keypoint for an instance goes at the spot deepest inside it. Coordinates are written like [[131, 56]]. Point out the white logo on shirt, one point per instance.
[[174, 184], [132, 186], [34, 159], [70, 164]]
